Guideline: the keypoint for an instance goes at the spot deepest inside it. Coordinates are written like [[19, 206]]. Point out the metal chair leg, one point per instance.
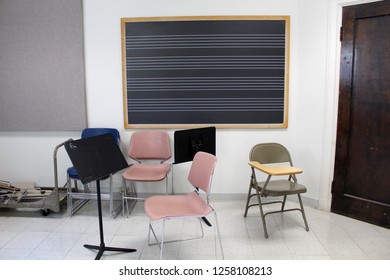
[[248, 198], [69, 196], [162, 240], [262, 214], [303, 212], [219, 237], [284, 202]]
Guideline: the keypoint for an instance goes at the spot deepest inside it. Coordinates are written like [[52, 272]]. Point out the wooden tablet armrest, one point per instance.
[[275, 169]]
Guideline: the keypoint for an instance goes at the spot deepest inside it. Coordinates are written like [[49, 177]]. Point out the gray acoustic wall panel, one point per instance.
[[42, 75]]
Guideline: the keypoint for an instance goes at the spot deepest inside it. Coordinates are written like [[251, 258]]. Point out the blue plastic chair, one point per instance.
[[83, 196]]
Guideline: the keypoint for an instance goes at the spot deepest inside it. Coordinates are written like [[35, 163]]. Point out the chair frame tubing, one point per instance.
[[253, 184], [134, 196], [86, 196], [162, 242]]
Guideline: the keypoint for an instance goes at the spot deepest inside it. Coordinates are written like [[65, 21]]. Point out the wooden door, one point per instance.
[[361, 185]]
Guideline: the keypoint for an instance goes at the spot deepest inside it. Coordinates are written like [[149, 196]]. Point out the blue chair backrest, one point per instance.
[[90, 132]]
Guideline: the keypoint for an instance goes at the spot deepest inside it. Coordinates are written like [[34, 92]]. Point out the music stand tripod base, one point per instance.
[[102, 247]]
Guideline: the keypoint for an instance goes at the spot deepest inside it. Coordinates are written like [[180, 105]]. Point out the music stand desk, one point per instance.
[[94, 159]]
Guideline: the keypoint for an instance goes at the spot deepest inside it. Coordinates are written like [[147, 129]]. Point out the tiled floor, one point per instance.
[[26, 235]]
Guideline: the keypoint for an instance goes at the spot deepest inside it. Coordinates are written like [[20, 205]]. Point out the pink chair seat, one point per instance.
[[170, 206], [146, 172]]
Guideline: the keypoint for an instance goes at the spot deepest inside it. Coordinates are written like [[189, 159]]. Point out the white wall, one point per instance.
[[303, 137], [310, 135]]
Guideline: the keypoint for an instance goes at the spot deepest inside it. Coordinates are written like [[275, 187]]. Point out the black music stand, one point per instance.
[[188, 142], [96, 158]]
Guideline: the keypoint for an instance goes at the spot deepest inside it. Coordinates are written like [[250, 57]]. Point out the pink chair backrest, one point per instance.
[[202, 170], [150, 145]]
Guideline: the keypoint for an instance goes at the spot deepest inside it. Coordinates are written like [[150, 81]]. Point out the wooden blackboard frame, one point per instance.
[[156, 118]]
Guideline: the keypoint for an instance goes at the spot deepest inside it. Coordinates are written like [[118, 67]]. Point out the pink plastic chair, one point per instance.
[[149, 150], [192, 205]]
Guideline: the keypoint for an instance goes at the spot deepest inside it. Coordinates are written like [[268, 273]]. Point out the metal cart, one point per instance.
[[27, 196]]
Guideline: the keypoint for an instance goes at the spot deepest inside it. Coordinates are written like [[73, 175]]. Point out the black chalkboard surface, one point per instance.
[[223, 71]]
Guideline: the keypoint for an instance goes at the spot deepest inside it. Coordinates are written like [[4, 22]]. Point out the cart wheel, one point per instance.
[[45, 212]]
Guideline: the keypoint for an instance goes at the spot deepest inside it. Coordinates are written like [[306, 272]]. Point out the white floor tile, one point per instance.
[[27, 240], [27, 235]]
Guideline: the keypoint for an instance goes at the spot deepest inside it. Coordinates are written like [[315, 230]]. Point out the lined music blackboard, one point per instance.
[[221, 71]]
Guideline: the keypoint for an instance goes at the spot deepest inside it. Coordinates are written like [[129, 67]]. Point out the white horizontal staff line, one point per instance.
[[197, 81], [208, 35], [202, 103], [219, 43], [162, 89], [204, 68], [178, 90], [207, 78], [195, 105], [181, 61], [133, 87], [208, 89], [207, 103], [175, 104], [163, 105], [214, 110], [205, 47], [211, 37], [275, 103], [211, 106], [203, 38], [153, 85], [226, 60], [213, 45], [205, 100], [212, 62], [208, 42], [208, 56], [204, 41], [210, 98], [205, 83], [204, 60], [224, 102], [209, 83], [202, 63], [209, 110], [181, 41]]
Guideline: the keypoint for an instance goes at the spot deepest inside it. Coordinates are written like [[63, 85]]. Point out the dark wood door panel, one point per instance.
[[360, 209], [361, 188]]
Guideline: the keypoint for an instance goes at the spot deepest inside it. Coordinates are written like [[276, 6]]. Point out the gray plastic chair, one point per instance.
[[269, 159]]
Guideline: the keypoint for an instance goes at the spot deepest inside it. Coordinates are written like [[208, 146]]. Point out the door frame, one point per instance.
[[331, 101]]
